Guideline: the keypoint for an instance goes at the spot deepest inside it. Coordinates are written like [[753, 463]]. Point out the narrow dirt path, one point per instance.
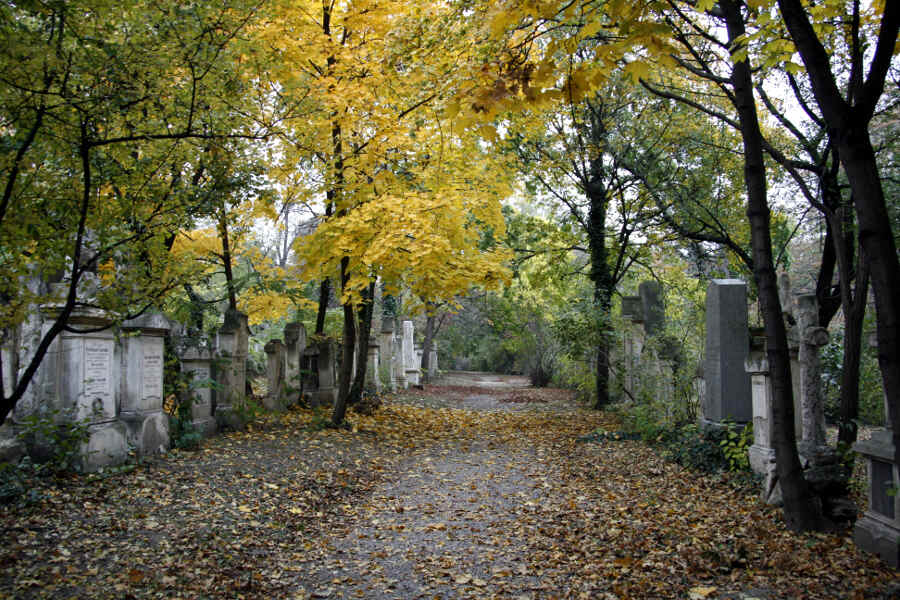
[[447, 524]]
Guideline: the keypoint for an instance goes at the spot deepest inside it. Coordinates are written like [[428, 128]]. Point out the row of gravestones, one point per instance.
[[290, 364], [112, 380], [735, 387]]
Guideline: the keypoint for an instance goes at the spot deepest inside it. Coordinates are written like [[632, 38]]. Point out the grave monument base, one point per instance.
[[878, 531]]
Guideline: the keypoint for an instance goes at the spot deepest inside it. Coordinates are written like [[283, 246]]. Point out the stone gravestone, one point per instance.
[[197, 361], [141, 366], [398, 368], [727, 343], [232, 343], [373, 381], [275, 359], [633, 341], [432, 364], [387, 352], [410, 367], [327, 392], [761, 453], [79, 379], [878, 531], [295, 344]]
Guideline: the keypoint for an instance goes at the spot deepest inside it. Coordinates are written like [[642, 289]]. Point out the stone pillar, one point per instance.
[[632, 341], [399, 381], [387, 352], [418, 360], [295, 344], [761, 453], [275, 358], [197, 361], [373, 381], [232, 343], [410, 368], [432, 364], [811, 338], [727, 342], [141, 366], [78, 378], [878, 531], [327, 392]]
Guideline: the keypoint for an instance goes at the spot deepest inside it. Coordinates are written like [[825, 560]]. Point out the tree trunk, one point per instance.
[[600, 272], [349, 345], [801, 510], [877, 244], [324, 295], [365, 310], [226, 260], [854, 315]]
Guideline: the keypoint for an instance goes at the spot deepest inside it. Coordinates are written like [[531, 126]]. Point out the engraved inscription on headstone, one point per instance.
[[97, 379], [152, 370], [201, 373]]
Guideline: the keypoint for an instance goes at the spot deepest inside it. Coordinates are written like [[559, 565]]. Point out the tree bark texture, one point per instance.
[[349, 345], [848, 123], [598, 199], [802, 512], [365, 311]]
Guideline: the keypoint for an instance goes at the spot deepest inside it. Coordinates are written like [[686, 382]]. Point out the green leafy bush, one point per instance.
[[182, 433], [54, 447], [54, 443], [735, 446]]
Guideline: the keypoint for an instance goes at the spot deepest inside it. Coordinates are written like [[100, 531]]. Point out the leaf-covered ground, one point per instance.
[[476, 489]]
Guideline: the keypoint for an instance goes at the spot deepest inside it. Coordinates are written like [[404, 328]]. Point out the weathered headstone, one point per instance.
[[326, 394], [79, 380], [142, 363], [197, 361], [398, 381], [727, 342], [232, 343], [633, 341], [386, 343], [878, 531], [275, 359], [432, 364], [761, 453], [410, 366], [373, 381], [419, 352], [295, 344]]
